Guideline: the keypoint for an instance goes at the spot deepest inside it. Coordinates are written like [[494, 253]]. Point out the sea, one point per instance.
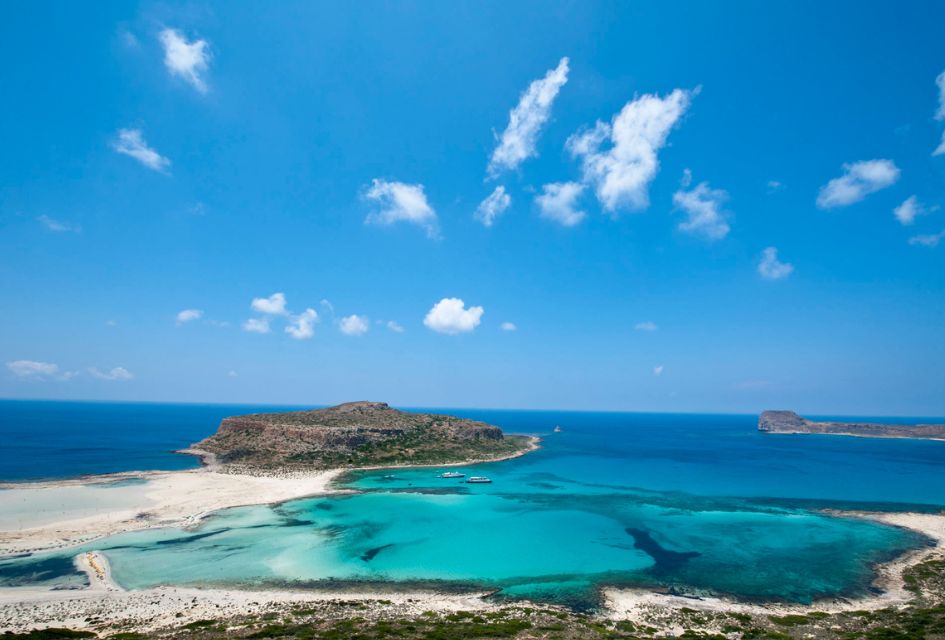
[[697, 504]]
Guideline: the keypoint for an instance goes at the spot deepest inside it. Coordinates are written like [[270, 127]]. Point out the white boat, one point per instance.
[[479, 480], [452, 474]]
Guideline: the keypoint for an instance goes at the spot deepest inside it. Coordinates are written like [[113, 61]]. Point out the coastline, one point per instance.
[[183, 498], [168, 498], [650, 607]]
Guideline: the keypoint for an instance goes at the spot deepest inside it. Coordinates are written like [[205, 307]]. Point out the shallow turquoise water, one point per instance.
[[702, 504]]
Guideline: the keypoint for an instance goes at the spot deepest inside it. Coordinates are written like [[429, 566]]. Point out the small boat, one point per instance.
[[390, 477], [452, 474], [557, 428], [479, 480]]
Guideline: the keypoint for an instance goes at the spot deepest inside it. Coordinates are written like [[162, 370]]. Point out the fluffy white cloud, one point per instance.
[[620, 158], [130, 142], [189, 315], [493, 206], [400, 202], [274, 305], [189, 60], [34, 370], [940, 149], [116, 373], [302, 326], [859, 179], [57, 226], [646, 326], [930, 240], [508, 326], [558, 202], [394, 326], [910, 209], [703, 208], [658, 370], [354, 325], [451, 316], [257, 325], [771, 268], [517, 142]]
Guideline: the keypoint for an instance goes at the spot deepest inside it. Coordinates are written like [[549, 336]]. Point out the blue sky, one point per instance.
[[694, 207]]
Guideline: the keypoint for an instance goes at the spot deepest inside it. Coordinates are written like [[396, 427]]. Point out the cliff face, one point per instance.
[[355, 434], [790, 422]]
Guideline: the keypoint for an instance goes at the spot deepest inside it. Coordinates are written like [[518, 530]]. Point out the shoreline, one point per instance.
[[170, 498], [184, 497]]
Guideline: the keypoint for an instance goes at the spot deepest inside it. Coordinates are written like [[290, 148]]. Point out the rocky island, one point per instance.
[[790, 422], [356, 434]]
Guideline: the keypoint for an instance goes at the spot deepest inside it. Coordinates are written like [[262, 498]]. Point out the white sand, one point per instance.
[[48, 515]]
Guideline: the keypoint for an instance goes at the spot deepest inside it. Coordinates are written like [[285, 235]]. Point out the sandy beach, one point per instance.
[[52, 515], [64, 513]]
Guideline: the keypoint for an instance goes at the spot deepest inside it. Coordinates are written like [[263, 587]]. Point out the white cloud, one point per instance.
[[450, 316], [508, 326], [302, 326], [859, 179], [186, 59], [188, 315], [658, 370], [57, 226], [621, 174], [558, 202], [394, 326], [328, 305], [517, 142], [930, 240], [400, 202], [774, 185], [771, 268], [703, 208], [354, 325], [646, 326], [493, 206], [274, 305], [116, 373], [940, 149], [257, 325], [34, 370], [910, 209], [130, 142]]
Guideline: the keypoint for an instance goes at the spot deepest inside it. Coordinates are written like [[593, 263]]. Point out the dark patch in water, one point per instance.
[[543, 485], [324, 506], [15, 574], [665, 560], [193, 538], [369, 555]]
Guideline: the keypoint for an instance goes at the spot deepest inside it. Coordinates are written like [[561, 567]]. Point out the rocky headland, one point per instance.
[[790, 422], [356, 434]]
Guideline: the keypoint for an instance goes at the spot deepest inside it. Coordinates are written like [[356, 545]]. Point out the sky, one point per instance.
[[642, 206]]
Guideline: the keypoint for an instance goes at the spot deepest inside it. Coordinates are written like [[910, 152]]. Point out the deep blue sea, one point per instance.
[[699, 503]]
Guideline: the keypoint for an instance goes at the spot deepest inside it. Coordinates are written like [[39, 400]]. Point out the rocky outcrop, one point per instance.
[[354, 434], [790, 422]]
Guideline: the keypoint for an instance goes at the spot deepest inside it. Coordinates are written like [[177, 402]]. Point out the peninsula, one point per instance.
[[356, 434], [789, 422]]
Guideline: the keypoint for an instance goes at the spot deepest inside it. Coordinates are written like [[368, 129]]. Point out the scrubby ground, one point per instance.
[[923, 618]]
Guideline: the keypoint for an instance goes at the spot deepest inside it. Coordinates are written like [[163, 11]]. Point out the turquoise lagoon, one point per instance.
[[700, 504]]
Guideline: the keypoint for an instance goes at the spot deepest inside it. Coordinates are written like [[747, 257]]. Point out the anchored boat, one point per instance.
[[479, 480], [452, 474]]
